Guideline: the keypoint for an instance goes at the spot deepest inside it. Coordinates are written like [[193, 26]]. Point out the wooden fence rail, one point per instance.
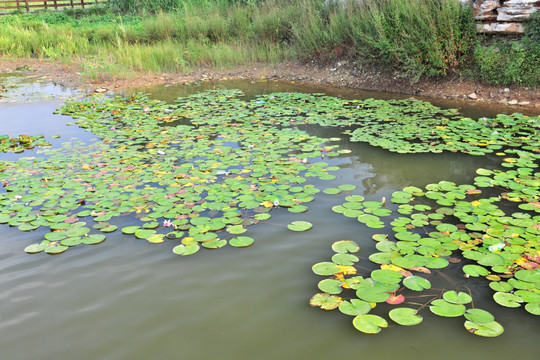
[[32, 5]]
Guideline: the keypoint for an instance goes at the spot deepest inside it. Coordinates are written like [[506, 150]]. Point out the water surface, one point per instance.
[[127, 299]]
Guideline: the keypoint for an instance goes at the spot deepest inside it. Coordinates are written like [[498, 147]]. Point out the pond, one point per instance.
[[128, 299]]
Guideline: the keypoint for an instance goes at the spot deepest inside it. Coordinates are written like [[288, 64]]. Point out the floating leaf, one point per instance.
[[325, 301], [325, 268], [300, 226], [355, 307], [369, 324], [443, 308], [241, 241], [475, 270], [36, 248], [405, 316], [416, 283], [344, 246], [185, 250], [330, 286], [386, 276], [94, 239], [507, 299], [478, 316], [454, 297], [344, 259], [488, 329]]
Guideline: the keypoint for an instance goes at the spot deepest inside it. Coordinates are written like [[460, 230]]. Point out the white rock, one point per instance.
[[472, 96], [513, 102], [523, 103]]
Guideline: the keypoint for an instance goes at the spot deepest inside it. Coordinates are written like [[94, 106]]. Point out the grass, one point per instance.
[[411, 38]]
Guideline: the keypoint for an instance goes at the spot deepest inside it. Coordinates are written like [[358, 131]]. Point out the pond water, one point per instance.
[[128, 299]]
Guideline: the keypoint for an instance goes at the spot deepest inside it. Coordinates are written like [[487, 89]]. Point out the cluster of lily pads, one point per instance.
[[21, 143], [199, 172], [383, 286], [494, 224]]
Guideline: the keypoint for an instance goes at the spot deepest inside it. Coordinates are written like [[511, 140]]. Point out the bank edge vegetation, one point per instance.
[[413, 39]]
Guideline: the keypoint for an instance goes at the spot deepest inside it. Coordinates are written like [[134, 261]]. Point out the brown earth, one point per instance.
[[341, 74]]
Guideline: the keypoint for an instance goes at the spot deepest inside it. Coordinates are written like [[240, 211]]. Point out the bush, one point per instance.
[[511, 62]]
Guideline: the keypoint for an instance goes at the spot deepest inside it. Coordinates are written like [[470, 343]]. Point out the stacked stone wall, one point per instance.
[[503, 17]]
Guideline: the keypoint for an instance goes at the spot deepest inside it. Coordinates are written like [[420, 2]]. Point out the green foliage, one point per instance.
[[411, 38], [511, 62]]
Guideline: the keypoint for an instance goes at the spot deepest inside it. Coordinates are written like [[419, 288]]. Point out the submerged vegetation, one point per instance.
[[202, 171], [412, 38]]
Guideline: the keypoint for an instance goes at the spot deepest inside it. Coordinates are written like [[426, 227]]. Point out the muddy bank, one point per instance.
[[341, 74]]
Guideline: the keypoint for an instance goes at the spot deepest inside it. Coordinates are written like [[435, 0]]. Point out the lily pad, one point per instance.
[[325, 301], [454, 297], [300, 226], [241, 241], [405, 316], [444, 308], [355, 307], [416, 283], [488, 329], [369, 324], [344, 246]]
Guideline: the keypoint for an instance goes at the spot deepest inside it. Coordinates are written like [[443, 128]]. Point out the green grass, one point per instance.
[[410, 38]]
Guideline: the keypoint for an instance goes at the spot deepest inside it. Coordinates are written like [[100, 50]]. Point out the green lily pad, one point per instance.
[[344, 259], [355, 307], [369, 324], [479, 316], [533, 308], [488, 329], [241, 241], [36, 248], [330, 286], [344, 246], [185, 250], [444, 308], [416, 283], [72, 241], [475, 270], [56, 249], [507, 299], [454, 297], [94, 239], [214, 244], [375, 294], [130, 230], [300, 226], [386, 276], [236, 229], [532, 276], [325, 268], [405, 316]]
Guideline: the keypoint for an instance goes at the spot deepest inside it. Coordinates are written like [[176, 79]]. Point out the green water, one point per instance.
[[128, 299]]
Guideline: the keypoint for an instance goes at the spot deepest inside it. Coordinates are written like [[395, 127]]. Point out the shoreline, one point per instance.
[[339, 75]]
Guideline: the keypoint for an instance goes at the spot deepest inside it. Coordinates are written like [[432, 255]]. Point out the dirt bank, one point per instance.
[[341, 74]]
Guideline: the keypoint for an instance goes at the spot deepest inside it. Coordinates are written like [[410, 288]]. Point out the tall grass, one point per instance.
[[411, 38]]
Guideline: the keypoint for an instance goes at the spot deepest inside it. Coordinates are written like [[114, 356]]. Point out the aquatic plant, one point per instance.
[[201, 171]]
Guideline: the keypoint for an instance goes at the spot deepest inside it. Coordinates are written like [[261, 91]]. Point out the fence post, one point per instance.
[[27, 7], [82, 3], [45, 3], [55, 5], [71, 2]]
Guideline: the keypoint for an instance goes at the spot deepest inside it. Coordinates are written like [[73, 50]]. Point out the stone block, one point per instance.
[[500, 28]]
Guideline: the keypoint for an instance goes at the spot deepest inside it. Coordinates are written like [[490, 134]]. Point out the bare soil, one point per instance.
[[340, 74]]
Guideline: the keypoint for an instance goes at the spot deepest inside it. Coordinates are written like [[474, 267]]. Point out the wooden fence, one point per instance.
[[32, 5]]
